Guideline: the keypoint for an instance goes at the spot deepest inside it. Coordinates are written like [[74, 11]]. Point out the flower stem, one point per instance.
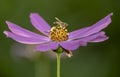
[[58, 64]]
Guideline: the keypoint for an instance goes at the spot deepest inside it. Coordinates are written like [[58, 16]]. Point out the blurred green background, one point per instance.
[[95, 60]]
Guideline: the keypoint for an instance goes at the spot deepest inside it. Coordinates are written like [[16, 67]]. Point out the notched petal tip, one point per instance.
[[32, 14], [6, 33], [111, 14], [7, 22], [10, 24]]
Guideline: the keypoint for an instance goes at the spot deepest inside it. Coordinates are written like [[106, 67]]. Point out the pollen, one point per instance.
[[59, 32]]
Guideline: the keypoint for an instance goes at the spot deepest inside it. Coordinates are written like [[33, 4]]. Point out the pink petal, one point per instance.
[[39, 23], [97, 37], [103, 23], [47, 46], [24, 40], [23, 32], [72, 45], [100, 38]]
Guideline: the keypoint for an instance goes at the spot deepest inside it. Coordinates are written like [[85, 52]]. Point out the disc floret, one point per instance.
[[59, 32]]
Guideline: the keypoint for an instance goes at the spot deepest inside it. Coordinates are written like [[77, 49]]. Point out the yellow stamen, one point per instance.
[[59, 32]]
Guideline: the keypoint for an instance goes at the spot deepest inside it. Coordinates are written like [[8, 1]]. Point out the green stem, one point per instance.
[[58, 64]]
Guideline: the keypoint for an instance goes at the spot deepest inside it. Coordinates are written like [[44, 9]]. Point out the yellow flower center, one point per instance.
[[59, 33]]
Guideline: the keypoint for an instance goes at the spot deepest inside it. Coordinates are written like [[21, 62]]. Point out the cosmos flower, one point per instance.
[[57, 36]]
